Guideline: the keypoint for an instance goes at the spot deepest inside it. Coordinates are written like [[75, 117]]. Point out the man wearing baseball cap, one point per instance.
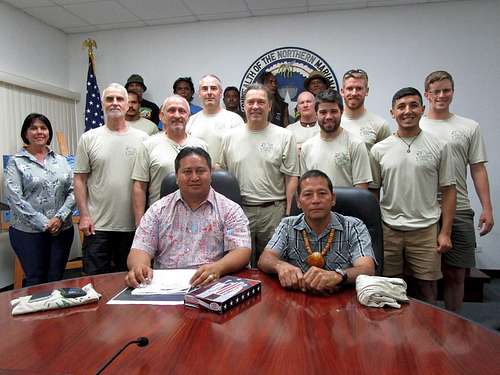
[[148, 109]]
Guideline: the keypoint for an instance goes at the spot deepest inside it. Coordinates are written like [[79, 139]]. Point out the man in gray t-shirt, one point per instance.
[[155, 157], [213, 122], [467, 147], [263, 157], [335, 151], [103, 187], [412, 166]]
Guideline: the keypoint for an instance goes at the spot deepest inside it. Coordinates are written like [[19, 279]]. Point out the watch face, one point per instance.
[[343, 274]]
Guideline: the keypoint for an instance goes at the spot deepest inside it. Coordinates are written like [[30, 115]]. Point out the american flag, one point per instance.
[[94, 117]]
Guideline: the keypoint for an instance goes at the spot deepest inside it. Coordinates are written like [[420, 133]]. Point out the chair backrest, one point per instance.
[[222, 181], [362, 204]]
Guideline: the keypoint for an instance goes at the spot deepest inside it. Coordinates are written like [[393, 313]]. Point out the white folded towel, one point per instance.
[[22, 305], [378, 291]]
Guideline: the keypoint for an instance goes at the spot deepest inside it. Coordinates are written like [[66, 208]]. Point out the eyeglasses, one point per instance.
[[446, 91], [355, 73]]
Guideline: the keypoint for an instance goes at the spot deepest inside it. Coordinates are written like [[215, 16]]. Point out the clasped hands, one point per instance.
[[315, 280], [54, 225], [143, 274]]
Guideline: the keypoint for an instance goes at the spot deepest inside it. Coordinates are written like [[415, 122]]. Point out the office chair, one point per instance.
[[362, 204], [222, 181]]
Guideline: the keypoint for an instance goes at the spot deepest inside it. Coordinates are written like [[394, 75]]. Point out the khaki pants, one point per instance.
[[263, 222], [413, 251]]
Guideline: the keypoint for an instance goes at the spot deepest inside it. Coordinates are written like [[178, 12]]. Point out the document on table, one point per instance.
[[167, 287]]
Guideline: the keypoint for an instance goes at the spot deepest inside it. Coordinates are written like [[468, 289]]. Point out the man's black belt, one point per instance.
[[265, 204]]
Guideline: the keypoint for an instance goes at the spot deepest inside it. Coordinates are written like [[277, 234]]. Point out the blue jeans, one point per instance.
[[42, 256]]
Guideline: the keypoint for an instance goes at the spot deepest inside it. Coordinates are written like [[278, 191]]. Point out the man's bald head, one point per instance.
[[305, 106], [175, 97]]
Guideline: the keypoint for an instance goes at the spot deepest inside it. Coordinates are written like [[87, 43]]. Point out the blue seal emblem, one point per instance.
[[291, 66]]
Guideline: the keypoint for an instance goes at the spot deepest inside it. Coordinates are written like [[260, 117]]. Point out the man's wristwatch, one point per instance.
[[342, 273]]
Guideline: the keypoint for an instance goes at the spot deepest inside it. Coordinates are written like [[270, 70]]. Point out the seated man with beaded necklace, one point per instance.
[[318, 250]]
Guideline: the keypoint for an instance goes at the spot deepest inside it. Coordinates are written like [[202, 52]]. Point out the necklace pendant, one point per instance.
[[408, 151], [316, 259]]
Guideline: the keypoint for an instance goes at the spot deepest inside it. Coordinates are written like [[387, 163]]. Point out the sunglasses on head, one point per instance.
[[355, 73]]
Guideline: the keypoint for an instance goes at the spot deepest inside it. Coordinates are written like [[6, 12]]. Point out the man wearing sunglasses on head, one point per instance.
[[366, 126]]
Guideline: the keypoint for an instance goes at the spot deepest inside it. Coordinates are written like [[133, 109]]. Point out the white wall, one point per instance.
[[32, 49], [398, 46]]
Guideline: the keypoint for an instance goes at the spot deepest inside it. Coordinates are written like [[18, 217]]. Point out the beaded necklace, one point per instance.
[[317, 258]]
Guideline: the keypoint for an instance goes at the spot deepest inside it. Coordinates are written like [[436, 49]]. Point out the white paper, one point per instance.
[[167, 282], [167, 287], [116, 301]]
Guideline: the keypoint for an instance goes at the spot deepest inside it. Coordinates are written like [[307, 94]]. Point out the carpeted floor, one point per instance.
[[487, 312]]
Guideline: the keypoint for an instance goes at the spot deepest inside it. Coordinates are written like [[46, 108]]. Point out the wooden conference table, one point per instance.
[[279, 332]]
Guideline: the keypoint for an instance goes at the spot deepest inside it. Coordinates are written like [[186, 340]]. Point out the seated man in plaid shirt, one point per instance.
[[318, 250]]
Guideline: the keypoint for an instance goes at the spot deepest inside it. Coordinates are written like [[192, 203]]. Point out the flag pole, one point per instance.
[[94, 116]]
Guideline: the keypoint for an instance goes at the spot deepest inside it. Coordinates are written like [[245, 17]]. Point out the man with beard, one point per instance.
[[335, 151], [307, 127], [155, 158], [213, 122], [263, 157], [133, 117], [104, 161]]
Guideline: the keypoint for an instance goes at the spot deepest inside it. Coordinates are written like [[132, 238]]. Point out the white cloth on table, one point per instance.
[[378, 291], [22, 305]]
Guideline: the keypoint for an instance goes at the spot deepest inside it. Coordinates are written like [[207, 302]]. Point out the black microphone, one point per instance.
[[140, 342]]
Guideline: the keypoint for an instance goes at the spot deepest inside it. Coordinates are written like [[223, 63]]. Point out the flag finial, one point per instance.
[[90, 44]]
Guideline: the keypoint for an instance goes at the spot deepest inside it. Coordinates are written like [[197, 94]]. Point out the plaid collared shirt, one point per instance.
[[180, 237], [351, 241]]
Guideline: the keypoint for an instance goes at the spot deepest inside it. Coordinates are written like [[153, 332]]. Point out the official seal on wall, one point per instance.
[[291, 66]]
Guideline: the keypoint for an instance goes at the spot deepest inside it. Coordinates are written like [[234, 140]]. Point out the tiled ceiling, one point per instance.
[[78, 16]]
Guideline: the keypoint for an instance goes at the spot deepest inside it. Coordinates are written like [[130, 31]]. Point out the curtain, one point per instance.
[[17, 102]]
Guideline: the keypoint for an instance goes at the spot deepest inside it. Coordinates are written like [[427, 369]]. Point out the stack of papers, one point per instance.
[[166, 282], [167, 287]]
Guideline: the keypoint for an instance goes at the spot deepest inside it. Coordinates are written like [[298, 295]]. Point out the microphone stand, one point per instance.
[[140, 342]]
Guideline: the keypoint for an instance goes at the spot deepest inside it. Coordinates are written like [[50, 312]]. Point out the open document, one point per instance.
[[167, 287]]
